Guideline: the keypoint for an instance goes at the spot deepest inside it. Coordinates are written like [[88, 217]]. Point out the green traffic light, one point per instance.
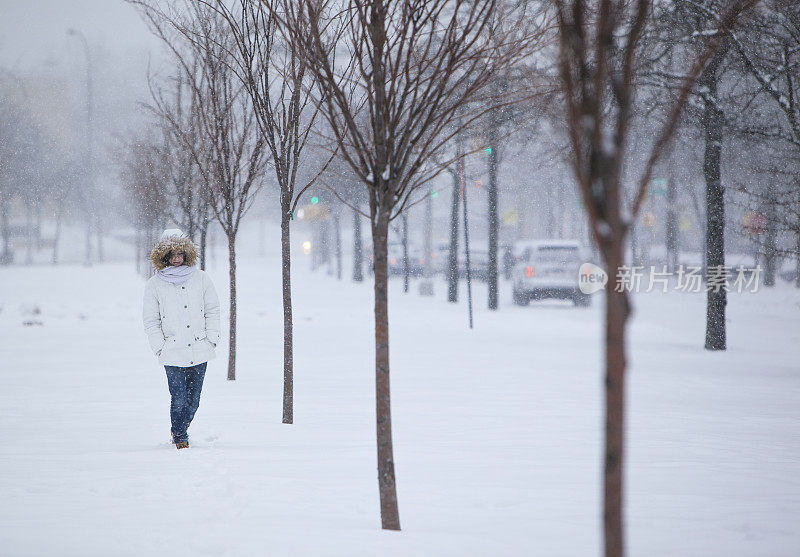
[[488, 150], [434, 194], [314, 200]]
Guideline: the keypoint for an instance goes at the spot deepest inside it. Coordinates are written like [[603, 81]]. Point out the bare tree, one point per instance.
[[599, 43], [773, 212], [63, 175], [35, 169], [682, 33], [142, 174], [452, 254], [26, 172], [186, 191], [10, 128], [391, 106], [338, 178], [358, 251], [274, 75], [500, 124], [234, 164], [770, 52]]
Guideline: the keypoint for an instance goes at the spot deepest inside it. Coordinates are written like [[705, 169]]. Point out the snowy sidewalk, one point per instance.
[[497, 431]]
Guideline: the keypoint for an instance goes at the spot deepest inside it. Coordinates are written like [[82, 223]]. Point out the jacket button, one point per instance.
[[189, 344], [183, 288], [187, 326], [186, 306]]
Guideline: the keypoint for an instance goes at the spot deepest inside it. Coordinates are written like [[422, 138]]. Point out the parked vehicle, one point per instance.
[[416, 259], [478, 263], [478, 259], [548, 269]]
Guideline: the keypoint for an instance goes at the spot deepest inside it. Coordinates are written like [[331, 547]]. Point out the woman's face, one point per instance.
[[176, 258]]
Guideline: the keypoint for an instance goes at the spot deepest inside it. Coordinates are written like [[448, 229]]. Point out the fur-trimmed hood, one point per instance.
[[173, 240]]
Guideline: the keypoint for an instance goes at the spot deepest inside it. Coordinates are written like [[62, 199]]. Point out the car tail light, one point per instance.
[[422, 261], [393, 261], [529, 271]]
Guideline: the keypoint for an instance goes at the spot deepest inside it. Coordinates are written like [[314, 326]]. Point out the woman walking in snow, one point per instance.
[[181, 320]]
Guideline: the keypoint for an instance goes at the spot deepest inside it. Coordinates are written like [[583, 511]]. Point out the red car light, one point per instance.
[[529, 271], [393, 261]]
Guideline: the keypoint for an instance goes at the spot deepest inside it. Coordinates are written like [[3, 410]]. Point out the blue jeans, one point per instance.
[[185, 384]]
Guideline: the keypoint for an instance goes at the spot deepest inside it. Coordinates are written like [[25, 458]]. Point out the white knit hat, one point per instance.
[[172, 233]]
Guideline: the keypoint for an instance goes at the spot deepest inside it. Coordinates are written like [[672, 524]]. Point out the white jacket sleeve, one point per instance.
[[152, 319], [211, 310]]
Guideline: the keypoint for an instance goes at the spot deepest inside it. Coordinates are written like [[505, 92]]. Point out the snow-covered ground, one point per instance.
[[497, 430]]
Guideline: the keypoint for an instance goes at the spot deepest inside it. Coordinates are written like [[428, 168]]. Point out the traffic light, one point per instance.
[[434, 194], [314, 200]]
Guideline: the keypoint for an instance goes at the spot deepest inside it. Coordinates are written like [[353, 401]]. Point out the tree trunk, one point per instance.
[[463, 187], [7, 256], [358, 253], [232, 336], [390, 517], [137, 250], [616, 316], [288, 357], [770, 238], [154, 235], [797, 263], [28, 233], [452, 260], [191, 227], [211, 248], [428, 266], [38, 226], [89, 239], [672, 223], [493, 220], [521, 197], [337, 245], [797, 254], [203, 244], [404, 217], [57, 235], [325, 245], [715, 209], [146, 234], [99, 232], [316, 246]]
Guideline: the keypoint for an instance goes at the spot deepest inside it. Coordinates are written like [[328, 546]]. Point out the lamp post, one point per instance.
[[88, 187]]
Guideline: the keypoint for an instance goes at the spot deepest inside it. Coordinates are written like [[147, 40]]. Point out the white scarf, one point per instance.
[[176, 275]]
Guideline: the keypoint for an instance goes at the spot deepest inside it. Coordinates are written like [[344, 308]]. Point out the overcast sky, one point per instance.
[[52, 70], [33, 31]]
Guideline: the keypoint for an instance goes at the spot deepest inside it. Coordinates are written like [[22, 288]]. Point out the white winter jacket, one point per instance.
[[182, 320]]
